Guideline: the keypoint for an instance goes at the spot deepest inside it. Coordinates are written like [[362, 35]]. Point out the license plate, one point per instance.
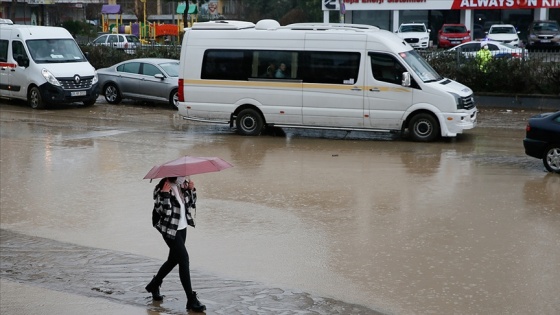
[[78, 93], [455, 42], [545, 41]]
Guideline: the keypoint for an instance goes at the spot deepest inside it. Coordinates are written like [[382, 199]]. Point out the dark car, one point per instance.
[[543, 33], [542, 139]]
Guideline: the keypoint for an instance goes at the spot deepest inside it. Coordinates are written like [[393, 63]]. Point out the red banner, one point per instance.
[[504, 4]]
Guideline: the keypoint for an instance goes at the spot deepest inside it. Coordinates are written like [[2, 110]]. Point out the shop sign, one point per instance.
[[356, 5]]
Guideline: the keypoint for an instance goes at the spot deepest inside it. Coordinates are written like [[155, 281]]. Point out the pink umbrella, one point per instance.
[[187, 165]]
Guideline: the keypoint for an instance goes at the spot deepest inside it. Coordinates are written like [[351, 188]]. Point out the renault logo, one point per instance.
[[77, 79]]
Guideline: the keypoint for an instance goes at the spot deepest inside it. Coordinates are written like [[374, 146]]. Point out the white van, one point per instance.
[[336, 76], [44, 65]]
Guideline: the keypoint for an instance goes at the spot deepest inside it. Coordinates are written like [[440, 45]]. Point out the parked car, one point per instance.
[[542, 140], [543, 34], [451, 35], [126, 42], [497, 49], [146, 79], [416, 34], [504, 33]]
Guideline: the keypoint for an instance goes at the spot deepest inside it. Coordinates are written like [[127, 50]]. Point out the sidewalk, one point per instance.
[[43, 276]]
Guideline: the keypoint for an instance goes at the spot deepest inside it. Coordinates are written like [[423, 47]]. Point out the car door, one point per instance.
[[151, 86], [387, 100], [128, 79], [113, 41]]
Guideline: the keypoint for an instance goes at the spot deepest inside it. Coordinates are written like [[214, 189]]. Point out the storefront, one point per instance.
[[477, 15]]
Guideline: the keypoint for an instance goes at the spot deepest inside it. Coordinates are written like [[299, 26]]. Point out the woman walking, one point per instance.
[[173, 199]]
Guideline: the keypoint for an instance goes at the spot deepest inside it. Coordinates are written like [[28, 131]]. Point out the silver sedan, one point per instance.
[[146, 79]]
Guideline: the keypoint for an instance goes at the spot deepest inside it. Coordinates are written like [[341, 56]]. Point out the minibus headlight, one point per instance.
[[95, 79], [50, 77], [458, 101]]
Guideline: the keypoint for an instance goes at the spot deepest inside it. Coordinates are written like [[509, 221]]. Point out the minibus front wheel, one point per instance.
[[34, 98], [423, 127], [249, 122]]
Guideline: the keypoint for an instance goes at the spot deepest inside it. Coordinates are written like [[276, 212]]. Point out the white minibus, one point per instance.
[[320, 76], [44, 65]]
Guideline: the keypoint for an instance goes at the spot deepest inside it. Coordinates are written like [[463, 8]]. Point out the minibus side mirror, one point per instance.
[[405, 79], [22, 61]]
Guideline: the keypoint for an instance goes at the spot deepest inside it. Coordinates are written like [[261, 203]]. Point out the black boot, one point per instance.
[[153, 288], [194, 304]]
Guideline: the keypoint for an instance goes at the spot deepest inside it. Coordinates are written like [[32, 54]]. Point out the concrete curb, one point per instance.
[[518, 102]]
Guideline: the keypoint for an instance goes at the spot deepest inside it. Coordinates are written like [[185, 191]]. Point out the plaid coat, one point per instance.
[[167, 211]]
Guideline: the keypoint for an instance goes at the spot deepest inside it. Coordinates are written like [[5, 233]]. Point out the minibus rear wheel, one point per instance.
[[249, 122], [423, 127], [34, 98]]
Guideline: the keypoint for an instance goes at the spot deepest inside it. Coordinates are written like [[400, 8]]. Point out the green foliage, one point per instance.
[[503, 75]]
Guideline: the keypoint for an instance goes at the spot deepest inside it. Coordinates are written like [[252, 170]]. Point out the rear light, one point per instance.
[[125, 45], [528, 128], [181, 91], [515, 55]]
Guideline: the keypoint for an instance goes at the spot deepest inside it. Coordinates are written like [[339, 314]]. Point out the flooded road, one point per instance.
[[306, 222]]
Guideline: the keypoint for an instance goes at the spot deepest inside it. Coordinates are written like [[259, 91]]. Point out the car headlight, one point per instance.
[[95, 79], [444, 37], [467, 37], [50, 77], [532, 36], [424, 38]]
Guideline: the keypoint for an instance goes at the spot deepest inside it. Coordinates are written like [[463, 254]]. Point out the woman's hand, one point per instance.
[[166, 187]]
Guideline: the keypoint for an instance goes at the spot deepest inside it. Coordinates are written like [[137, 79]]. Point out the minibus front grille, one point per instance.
[[73, 84], [468, 102]]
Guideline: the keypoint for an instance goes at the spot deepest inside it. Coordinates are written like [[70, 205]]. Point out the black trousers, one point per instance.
[[178, 255]]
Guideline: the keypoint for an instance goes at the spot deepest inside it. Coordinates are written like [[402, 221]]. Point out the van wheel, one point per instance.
[[551, 158], [174, 99], [34, 98], [112, 94], [423, 128], [249, 122]]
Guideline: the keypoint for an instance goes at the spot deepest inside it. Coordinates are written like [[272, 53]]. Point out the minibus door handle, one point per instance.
[[356, 89], [374, 90]]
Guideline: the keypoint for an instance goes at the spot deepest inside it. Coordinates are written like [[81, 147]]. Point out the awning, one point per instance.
[[111, 9]]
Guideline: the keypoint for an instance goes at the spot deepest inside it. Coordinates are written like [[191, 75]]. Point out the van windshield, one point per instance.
[[55, 50], [420, 66]]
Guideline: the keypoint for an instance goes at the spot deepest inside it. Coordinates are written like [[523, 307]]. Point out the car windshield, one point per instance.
[[546, 26], [171, 68], [413, 28], [420, 66], [55, 50], [454, 29], [502, 30]]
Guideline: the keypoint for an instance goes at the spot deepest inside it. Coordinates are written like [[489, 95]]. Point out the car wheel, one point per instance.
[[174, 99], [112, 94], [249, 122], [424, 128], [34, 98], [551, 158]]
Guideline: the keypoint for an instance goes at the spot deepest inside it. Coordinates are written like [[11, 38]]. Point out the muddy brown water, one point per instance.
[[305, 222]]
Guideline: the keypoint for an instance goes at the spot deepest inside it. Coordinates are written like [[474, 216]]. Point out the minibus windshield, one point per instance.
[[420, 66], [57, 50]]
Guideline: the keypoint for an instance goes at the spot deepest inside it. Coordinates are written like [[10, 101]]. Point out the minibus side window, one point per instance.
[[330, 67], [226, 64], [386, 68], [19, 54], [3, 50]]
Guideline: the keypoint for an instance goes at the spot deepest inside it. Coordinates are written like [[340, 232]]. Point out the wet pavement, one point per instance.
[[307, 222]]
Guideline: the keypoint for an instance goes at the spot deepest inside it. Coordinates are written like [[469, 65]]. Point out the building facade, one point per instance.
[[477, 15]]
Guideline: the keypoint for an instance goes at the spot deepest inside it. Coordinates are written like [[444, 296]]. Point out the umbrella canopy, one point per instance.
[[186, 166]]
